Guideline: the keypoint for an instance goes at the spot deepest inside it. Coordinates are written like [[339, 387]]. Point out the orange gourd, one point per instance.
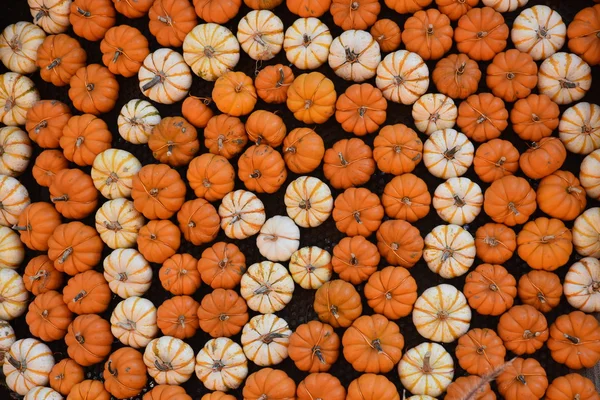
[[222, 313], [40, 276], [354, 14], [178, 275], [572, 386], [94, 89], [523, 329], [308, 8], [523, 379], [48, 316], [534, 117], [464, 385], [560, 195], [512, 75], [45, 121], [262, 169], [490, 289], [348, 163], [225, 135], [428, 33], [174, 141], [211, 176], [125, 373], [496, 159], [355, 259], [357, 212], [397, 149], [543, 157], [391, 292], [314, 347], [387, 33], [311, 98], [234, 92], [400, 243], [88, 339], [217, 11], [480, 351], [89, 389], [272, 83], [303, 149], [83, 138], [36, 224], [198, 221], [509, 200], [372, 386], [540, 289], [73, 193], [178, 317], [455, 9], [172, 392], [456, 76], [171, 21], [196, 110], [482, 117], [222, 265], [65, 375], [320, 385], [47, 164], [75, 247], [406, 197], [337, 303], [158, 240], [361, 109], [583, 34], [545, 244], [495, 243], [92, 18], [124, 49], [133, 9], [269, 383], [575, 340], [481, 33], [87, 293], [59, 57], [407, 6], [158, 191]]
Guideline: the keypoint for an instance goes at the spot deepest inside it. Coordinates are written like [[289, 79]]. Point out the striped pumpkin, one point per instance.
[[503, 6], [260, 33], [242, 214], [18, 46], [170, 361], [13, 293], [118, 223], [265, 339], [165, 77], [221, 364], [308, 201], [17, 95], [579, 128], [15, 151], [133, 322], [539, 31], [267, 287], [7, 338], [310, 267], [448, 153], [12, 253], [113, 171], [586, 233], [449, 251], [354, 56], [582, 285], [127, 273], [51, 15], [42, 393], [403, 77], [136, 121], [427, 369], [589, 174], [306, 43], [564, 77], [458, 201], [434, 111], [27, 365], [211, 50]]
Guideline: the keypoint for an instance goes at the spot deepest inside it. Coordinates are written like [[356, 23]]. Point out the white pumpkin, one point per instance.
[[442, 314], [505, 5], [308, 201], [42, 393], [165, 77], [260, 33], [170, 361], [354, 56], [449, 251], [539, 31], [448, 153], [589, 174], [17, 95], [586, 233], [579, 128], [279, 237], [434, 111], [267, 287], [458, 201], [27, 365], [14, 198], [18, 47], [242, 214], [7, 338], [221, 365], [306, 43], [113, 171], [426, 369], [118, 223], [12, 252], [13, 295], [136, 120], [211, 50], [15, 151], [133, 322], [127, 273], [564, 77], [310, 267], [51, 15], [582, 285], [265, 339], [403, 77]]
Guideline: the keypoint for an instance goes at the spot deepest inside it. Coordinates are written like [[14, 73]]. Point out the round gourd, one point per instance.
[[18, 46], [564, 77], [136, 121], [354, 55], [113, 171], [427, 369], [539, 31], [164, 76], [308, 201], [267, 287], [133, 322], [265, 339], [221, 364], [403, 77], [211, 50], [306, 43], [170, 361]]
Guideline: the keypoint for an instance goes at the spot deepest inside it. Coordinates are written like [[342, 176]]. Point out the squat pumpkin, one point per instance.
[[74, 248], [303, 149], [403, 77], [48, 316], [348, 163], [545, 243], [124, 48], [357, 211], [65, 375], [540, 289], [234, 94], [496, 159], [83, 138], [272, 83], [583, 40], [17, 96], [397, 149], [73, 193], [225, 135], [158, 240], [564, 77], [582, 285], [87, 293], [310, 267], [170, 361], [262, 169], [428, 33], [308, 201], [260, 34], [523, 379], [18, 46], [15, 151], [113, 171], [178, 275], [40, 275], [242, 214], [36, 224], [268, 382], [265, 339], [399, 243], [509, 200], [448, 153], [481, 33], [314, 347], [222, 265], [534, 117], [355, 259], [490, 289], [174, 141], [118, 223], [482, 117], [311, 98], [222, 313], [354, 55], [164, 76], [124, 373], [449, 250], [426, 369], [91, 19], [306, 44], [523, 329], [406, 197], [579, 128], [211, 50], [171, 21], [267, 287], [456, 76], [93, 89], [157, 191], [480, 351], [575, 340], [434, 111], [88, 339], [198, 221], [361, 109], [391, 292], [319, 385], [337, 303], [538, 31], [178, 317], [512, 75], [543, 158], [221, 364], [387, 33], [572, 385], [28, 363], [133, 322]]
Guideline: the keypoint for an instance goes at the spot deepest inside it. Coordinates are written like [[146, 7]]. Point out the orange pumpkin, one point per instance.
[[178, 317], [89, 389], [262, 169], [509, 200], [268, 383], [391, 292], [480, 351], [233, 92], [314, 347], [490, 289], [272, 83], [59, 57], [512, 75], [125, 373], [496, 159], [158, 191], [523, 329], [523, 379], [397, 149], [303, 149], [406, 197], [174, 141], [262, 4], [311, 98], [48, 316], [73, 193], [560, 195], [572, 386], [308, 8], [178, 275], [583, 34], [171, 21], [455, 9], [133, 9], [482, 117], [372, 386], [545, 244], [543, 157], [495, 243], [171, 392], [198, 221], [354, 14], [357, 212], [471, 385], [222, 265], [428, 33], [217, 11], [225, 135], [387, 33], [45, 121], [348, 163], [36, 224], [124, 48], [540, 289], [65, 375], [320, 385], [94, 89], [40, 276], [196, 111], [75, 247], [361, 109], [400, 243], [337, 303], [534, 117], [87, 293], [83, 138], [88, 339], [92, 18], [47, 164], [355, 259], [158, 240], [265, 127], [222, 313], [456, 76], [481, 33], [575, 340]]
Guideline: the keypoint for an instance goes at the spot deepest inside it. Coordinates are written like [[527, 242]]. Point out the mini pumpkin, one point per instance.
[[28, 363], [490, 289], [579, 128], [15, 151], [391, 292], [179, 276], [496, 159], [543, 158], [135, 9], [348, 163], [45, 122], [265, 339], [354, 55], [74, 248], [197, 110], [449, 250], [456, 76], [93, 89], [118, 223], [320, 384], [178, 317], [14, 198], [310, 267], [17, 96], [222, 313], [311, 98], [512, 75], [88, 339], [397, 149], [481, 33], [124, 48], [509, 200], [458, 200], [357, 212], [540, 289], [314, 347], [12, 252], [279, 237], [18, 46], [581, 285], [40, 275], [242, 214], [399, 243], [225, 135], [267, 287], [36, 224], [434, 111], [534, 117], [52, 16], [87, 293], [523, 378], [572, 385], [262, 169], [234, 94], [426, 369], [355, 259], [113, 171], [480, 351], [545, 243], [170, 361], [59, 57], [158, 191], [448, 153], [260, 34], [269, 382], [83, 138], [272, 83], [495, 243], [133, 322], [12, 290], [73, 193], [582, 34], [158, 240], [308, 201], [523, 329], [361, 109], [482, 117], [171, 21], [127, 273], [222, 265], [402, 76], [91, 19], [564, 77], [406, 197], [89, 389], [337, 303], [538, 31], [198, 221], [575, 340], [164, 76], [428, 33], [174, 141], [65, 375], [221, 364], [48, 316], [306, 44], [124, 373], [213, 11], [303, 149], [353, 14]]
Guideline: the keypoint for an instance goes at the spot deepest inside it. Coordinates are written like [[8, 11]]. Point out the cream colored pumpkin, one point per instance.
[[113, 171], [170, 361], [582, 285], [18, 46], [221, 365], [15, 151], [13, 295], [434, 111], [42, 393], [589, 174], [127, 273], [267, 287], [279, 237], [579, 128], [242, 214], [165, 77], [539, 31], [448, 153], [310, 267], [458, 201], [133, 322], [505, 5], [12, 252], [51, 15], [118, 223], [449, 250], [260, 33], [354, 56], [211, 50], [442, 314], [564, 77], [308, 201], [136, 120], [27, 365], [403, 77], [265, 339], [7, 338], [306, 43], [419, 397], [586, 233], [14, 198], [17, 95], [426, 369]]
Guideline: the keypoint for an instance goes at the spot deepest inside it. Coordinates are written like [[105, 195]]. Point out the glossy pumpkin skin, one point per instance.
[[543, 158], [391, 292], [463, 385], [534, 117], [320, 385], [174, 141], [89, 389], [74, 248], [387, 33], [91, 19], [348, 163], [178, 275], [222, 313], [314, 347], [158, 191], [545, 243], [125, 373], [158, 240], [178, 317], [47, 164], [523, 379], [168, 392], [124, 49], [59, 57], [89, 339], [355, 259], [456, 76], [269, 383], [272, 83], [357, 211], [222, 265], [572, 386], [397, 149], [48, 316], [234, 94], [372, 387], [40, 275], [265, 127], [87, 293], [495, 243], [198, 221], [337, 303], [318, 92], [303, 149], [512, 75], [496, 159], [523, 329], [361, 109], [93, 89], [428, 33], [540, 289], [197, 111], [509, 200], [225, 135], [560, 195], [575, 340], [65, 375], [45, 122], [455, 9], [583, 40], [36, 224], [482, 117], [490, 289], [481, 33], [171, 21], [406, 197], [262, 169], [84, 137], [480, 351], [135, 9], [400, 243], [73, 193]]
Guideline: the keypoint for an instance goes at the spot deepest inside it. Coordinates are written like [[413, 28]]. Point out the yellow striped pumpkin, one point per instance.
[[13, 294], [579, 128], [170, 361], [15, 151], [133, 322], [28, 364], [165, 77], [434, 111], [7, 338], [582, 285], [17, 95], [589, 174], [136, 121], [458, 200], [118, 223], [42, 393], [449, 251], [308, 201], [403, 77], [14, 198], [242, 214], [267, 287], [18, 46], [586, 233], [503, 6], [221, 364], [564, 77], [113, 171], [448, 153], [265, 339], [211, 50], [310, 267], [260, 33], [12, 252], [354, 56], [127, 273], [539, 31], [51, 15], [306, 43], [426, 369]]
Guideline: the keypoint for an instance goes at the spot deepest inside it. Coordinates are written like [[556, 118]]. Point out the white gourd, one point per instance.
[[133, 322], [13, 294], [242, 214], [426, 369], [211, 50], [42, 393], [267, 287], [221, 365], [579, 128], [448, 153], [118, 223], [403, 77], [28, 363], [354, 56], [539, 31], [127, 273], [434, 111], [14, 198], [170, 361], [15, 151], [586, 233], [7, 338], [12, 252], [582, 285], [458, 200], [136, 121], [564, 77], [589, 174], [505, 5], [265, 339], [260, 33], [307, 42], [279, 237], [308, 201], [17, 95], [449, 251], [113, 171], [311, 267], [51, 15], [19, 43], [165, 77]]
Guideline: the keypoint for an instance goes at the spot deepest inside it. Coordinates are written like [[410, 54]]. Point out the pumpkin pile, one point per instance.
[[299, 201]]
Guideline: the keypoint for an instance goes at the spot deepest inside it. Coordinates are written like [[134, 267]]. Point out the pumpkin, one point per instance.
[[303, 149], [87, 293], [18, 46], [52, 16], [196, 110], [222, 313], [523, 378], [267, 287], [36, 224], [482, 117], [221, 364], [47, 164], [545, 243], [265, 339], [355, 259], [234, 93], [399, 243], [320, 385], [512, 75], [214, 11], [428, 33], [449, 250], [124, 373], [490, 289], [262, 169], [572, 385], [314, 347], [308, 201], [361, 109], [523, 329], [124, 48], [170, 361], [242, 214], [157, 191], [348, 163], [402, 77], [371, 387], [535, 117], [456, 76], [73, 193], [118, 223], [426, 369], [262, 4], [15, 151], [7, 338], [174, 141], [13, 293], [582, 34], [93, 89], [48, 316], [272, 83], [211, 50], [306, 44], [387, 33], [579, 128], [540, 289], [179, 276], [164, 76], [564, 77], [481, 33], [45, 122], [165, 392], [28, 363], [40, 275], [216, 396], [65, 375], [509, 200], [225, 135], [407, 6], [495, 243], [89, 389], [543, 158], [391, 292], [12, 252], [455, 9], [269, 382], [469, 386], [41, 392], [496, 159], [279, 237], [434, 111], [158, 240], [354, 14], [397, 149], [447, 153], [311, 98], [127, 273], [135, 9], [84, 137], [59, 57], [505, 5], [308, 8], [74, 248], [260, 34], [406, 197], [357, 212], [133, 322], [575, 340], [171, 21], [91, 19], [337, 303], [458, 200], [198, 221], [17, 96], [265, 127], [538, 31], [588, 174], [178, 317], [480, 351], [310, 267], [222, 265], [88, 339], [113, 171], [581, 285]]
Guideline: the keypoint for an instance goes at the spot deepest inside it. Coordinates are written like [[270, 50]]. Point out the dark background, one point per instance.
[[300, 309]]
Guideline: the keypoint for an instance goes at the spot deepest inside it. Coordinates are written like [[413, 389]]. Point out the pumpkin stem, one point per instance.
[[548, 238], [494, 287], [40, 126], [513, 208], [263, 397], [112, 178], [281, 78], [209, 51], [153, 192], [510, 76], [223, 317], [535, 117], [351, 56], [491, 241], [262, 289], [220, 141], [443, 315], [377, 345], [527, 334], [170, 146], [362, 110], [334, 311], [542, 32], [573, 339], [353, 259], [406, 200], [122, 277], [181, 321], [65, 254], [79, 296], [429, 29], [458, 202], [398, 80], [45, 314], [128, 325], [446, 254], [64, 197], [165, 19], [54, 63], [255, 174], [541, 297], [112, 225], [307, 104], [40, 274], [18, 365], [481, 349], [481, 34], [572, 189], [191, 224], [567, 84], [354, 5], [595, 286], [304, 204], [84, 13], [41, 14], [118, 52], [342, 159], [317, 352], [397, 149], [89, 87], [162, 366], [521, 378], [434, 117], [461, 69], [450, 153], [79, 337], [427, 363], [1, 151], [158, 78], [291, 150], [356, 215], [10, 103], [79, 141], [271, 238], [500, 162], [269, 337], [218, 365], [109, 368], [21, 228]]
